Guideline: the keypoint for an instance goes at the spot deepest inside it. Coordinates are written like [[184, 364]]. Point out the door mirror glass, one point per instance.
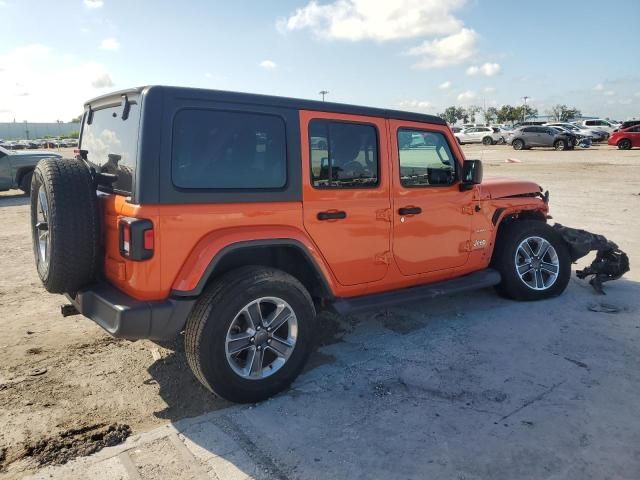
[[471, 174]]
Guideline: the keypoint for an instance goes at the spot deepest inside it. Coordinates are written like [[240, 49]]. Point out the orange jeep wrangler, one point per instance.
[[235, 217]]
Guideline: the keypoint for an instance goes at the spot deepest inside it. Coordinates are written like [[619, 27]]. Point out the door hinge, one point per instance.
[[384, 214], [382, 258], [468, 209], [465, 246]]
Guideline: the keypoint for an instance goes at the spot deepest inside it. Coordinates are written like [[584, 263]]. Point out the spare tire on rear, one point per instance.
[[65, 225]]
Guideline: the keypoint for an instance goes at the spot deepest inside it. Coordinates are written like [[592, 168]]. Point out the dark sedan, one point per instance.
[[540, 136]]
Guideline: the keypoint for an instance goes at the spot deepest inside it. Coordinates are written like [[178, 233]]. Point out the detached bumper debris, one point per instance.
[[610, 262]]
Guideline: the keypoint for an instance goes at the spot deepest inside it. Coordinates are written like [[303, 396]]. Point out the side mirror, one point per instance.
[[471, 174]]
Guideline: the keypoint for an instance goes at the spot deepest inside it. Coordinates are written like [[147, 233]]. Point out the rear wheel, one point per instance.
[[487, 141], [624, 144], [250, 334], [560, 145], [533, 261], [25, 183], [518, 144]]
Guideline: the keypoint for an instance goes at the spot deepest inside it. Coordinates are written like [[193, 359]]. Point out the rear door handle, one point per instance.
[[332, 215], [409, 210]]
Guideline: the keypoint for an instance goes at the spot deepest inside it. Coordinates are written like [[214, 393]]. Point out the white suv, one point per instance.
[[485, 135], [598, 123]]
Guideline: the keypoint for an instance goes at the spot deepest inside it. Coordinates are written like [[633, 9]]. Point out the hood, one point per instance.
[[36, 153], [498, 187]]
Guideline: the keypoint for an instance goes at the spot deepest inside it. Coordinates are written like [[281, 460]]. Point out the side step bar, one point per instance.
[[481, 279]]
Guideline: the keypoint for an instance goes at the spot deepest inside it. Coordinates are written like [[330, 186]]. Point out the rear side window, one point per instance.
[[228, 150], [425, 159], [112, 143], [343, 155]]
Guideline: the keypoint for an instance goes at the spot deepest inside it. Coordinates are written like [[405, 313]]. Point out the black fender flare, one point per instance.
[[248, 245]]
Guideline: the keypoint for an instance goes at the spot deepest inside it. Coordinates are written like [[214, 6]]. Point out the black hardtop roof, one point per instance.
[[270, 100]]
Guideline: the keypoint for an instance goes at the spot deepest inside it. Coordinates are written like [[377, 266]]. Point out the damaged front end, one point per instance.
[[610, 262]]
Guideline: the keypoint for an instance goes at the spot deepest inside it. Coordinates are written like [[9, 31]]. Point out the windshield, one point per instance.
[[112, 143]]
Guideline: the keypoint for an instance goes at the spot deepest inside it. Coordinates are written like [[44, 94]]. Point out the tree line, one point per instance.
[[506, 113]]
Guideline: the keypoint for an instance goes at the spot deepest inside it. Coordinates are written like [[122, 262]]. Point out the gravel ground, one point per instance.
[[559, 380]]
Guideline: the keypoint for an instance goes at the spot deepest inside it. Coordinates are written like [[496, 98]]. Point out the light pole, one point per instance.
[[323, 93], [524, 110]]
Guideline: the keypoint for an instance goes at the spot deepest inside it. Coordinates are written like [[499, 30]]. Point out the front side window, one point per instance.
[[228, 150], [343, 155], [425, 159]]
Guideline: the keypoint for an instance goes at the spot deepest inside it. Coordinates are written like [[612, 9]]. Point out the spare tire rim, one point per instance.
[[537, 263], [42, 228], [261, 338]]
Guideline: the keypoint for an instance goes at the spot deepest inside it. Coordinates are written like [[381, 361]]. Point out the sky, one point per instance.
[[419, 55]]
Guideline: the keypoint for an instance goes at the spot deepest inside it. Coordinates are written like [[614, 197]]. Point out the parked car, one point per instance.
[[627, 124], [598, 123], [540, 136], [627, 138], [484, 135], [270, 230], [581, 131], [16, 169]]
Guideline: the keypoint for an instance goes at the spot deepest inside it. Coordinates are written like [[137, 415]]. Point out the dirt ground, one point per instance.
[[66, 374]]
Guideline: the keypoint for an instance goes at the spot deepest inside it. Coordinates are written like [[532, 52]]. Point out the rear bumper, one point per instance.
[[125, 317]]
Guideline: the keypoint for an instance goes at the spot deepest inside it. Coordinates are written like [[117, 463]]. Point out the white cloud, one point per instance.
[[467, 95], [414, 105], [599, 87], [56, 85], [93, 3], [268, 64], [375, 20], [609, 93], [489, 89], [443, 52], [445, 85], [486, 69], [103, 80], [110, 44]]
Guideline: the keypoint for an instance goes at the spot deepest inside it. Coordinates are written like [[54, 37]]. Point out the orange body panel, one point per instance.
[[369, 251]]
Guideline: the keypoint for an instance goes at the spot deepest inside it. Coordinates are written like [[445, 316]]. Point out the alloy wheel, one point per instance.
[[261, 338], [537, 263]]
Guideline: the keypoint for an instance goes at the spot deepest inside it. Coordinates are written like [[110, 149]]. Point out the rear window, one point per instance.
[[343, 154], [112, 143], [228, 150]]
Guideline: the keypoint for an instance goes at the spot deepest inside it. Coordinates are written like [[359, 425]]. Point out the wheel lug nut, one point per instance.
[[258, 327], [259, 348], [253, 339], [268, 340]]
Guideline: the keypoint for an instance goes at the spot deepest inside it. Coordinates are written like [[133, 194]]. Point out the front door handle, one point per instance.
[[409, 210], [332, 215]]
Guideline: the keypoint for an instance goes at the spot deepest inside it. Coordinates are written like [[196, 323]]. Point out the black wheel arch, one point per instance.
[[511, 218], [21, 172], [285, 254]]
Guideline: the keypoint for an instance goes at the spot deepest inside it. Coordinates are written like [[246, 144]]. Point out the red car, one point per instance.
[[627, 138]]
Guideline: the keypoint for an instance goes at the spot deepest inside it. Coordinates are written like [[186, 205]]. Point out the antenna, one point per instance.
[[323, 93]]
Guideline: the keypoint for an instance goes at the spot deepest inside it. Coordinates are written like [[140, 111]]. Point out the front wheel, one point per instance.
[[560, 145], [624, 144], [518, 144], [250, 334], [533, 261]]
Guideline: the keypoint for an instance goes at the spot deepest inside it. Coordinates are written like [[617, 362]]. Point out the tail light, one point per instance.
[[137, 239]]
